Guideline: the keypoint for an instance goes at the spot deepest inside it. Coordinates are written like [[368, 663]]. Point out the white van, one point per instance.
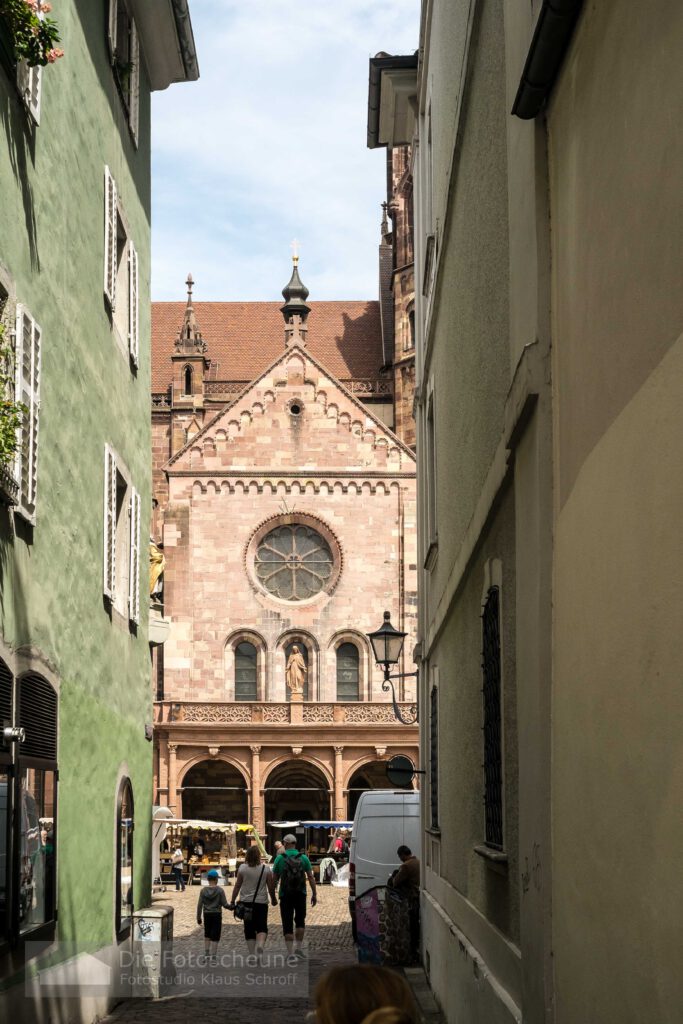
[[385, 819]]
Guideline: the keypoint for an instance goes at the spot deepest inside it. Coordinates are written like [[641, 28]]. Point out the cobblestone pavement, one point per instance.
[[328, 942]]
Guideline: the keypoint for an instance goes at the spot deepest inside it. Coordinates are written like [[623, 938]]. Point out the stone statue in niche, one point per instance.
[[295, 673]]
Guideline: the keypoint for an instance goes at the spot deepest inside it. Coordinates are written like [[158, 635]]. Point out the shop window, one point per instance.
[[28, 807], [245, 671], [348, 686], [124, 858]]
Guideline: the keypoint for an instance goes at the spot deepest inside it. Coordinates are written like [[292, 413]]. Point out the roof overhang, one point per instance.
[[167, 40], [392, 100]]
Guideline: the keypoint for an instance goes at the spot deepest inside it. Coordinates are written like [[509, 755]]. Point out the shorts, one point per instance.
[[292, 911], [212, 925], [258, 923]]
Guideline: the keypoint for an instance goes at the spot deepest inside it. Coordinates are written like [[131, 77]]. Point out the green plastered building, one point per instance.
[[75, 693]]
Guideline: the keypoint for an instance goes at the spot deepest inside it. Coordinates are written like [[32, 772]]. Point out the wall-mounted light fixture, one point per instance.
[[387, 644]]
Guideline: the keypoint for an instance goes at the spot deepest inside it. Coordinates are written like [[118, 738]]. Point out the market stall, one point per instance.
[[207, 844], [319, 840]]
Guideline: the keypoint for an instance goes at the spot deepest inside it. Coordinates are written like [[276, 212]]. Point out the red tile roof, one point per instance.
[[245, 337]]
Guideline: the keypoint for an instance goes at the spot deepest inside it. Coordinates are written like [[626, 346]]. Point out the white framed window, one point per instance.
[[121, 271], [29, 84], [121, 537], [124, 53], [29, 81], [27, 355], [133, 310]]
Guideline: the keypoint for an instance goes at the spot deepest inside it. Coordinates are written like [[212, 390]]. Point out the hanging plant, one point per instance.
[[34, 36], [11, 412]]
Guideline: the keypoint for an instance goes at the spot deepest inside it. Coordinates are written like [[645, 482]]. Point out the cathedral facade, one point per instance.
[[285, 511]]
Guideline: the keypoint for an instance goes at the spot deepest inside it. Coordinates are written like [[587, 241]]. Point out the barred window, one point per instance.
[[493, 754], [434, 757]]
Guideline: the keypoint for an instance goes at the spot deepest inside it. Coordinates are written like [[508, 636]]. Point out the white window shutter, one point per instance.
[[28, 352], [134, 107], [29, 81], [18, 363], [134, 573], [113, 18], [110, 240], [133, 305], [109, 522]]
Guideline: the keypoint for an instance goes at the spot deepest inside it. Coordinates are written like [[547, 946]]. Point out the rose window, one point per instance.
[[293, 562]]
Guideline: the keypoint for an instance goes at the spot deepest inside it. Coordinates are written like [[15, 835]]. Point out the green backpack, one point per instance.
[[293, 874]]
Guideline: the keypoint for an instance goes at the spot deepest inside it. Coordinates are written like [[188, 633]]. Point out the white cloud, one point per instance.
[[270, 144]]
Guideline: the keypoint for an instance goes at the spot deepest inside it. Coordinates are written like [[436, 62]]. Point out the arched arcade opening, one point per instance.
[[297, 791], [215, 791], [372, 775]]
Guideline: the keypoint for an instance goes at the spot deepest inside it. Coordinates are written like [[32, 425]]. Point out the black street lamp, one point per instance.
[[387, 644]]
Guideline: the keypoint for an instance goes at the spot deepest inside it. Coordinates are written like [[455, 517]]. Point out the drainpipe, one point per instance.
[[551, 38]]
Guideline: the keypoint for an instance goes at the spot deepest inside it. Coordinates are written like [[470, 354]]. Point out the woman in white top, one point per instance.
[[256, 885]]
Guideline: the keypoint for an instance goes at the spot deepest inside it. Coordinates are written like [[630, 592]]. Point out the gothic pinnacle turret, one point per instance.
[[295, 310]]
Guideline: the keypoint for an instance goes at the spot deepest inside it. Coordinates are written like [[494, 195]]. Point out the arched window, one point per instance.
[[347, 672], [125, 819], [411, 331], [187, 386], [245, 671]]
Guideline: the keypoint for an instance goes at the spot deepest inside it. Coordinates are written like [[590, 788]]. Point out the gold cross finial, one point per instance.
[[295, 251]]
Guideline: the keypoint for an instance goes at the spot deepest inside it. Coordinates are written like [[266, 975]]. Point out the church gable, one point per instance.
[[294, 417]]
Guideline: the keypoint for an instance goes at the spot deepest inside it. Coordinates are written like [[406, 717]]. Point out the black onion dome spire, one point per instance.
[[295, 295]]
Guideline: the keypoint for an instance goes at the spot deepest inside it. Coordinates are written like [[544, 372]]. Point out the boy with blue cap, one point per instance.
[[211, 902]]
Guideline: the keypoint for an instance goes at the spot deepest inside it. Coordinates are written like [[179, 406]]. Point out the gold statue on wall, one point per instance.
[[157, 564]]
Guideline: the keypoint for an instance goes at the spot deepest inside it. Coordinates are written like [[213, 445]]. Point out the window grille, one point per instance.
[[348, 685], [245, 671], [493, 754], [434, 756]]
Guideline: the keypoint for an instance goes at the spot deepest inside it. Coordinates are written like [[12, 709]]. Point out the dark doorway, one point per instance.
[[215, 791], [371, 776], [296, 791]]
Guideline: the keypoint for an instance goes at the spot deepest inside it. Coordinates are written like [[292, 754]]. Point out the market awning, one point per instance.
[[310, 824]]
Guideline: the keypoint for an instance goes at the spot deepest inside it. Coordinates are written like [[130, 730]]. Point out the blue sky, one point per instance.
[[270, 145]]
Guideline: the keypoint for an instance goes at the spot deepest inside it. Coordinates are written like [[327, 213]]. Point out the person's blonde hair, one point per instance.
[[253, 856], [363, 994]]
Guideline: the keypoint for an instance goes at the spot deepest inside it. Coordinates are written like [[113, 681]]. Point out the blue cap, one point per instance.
[[212, 873]]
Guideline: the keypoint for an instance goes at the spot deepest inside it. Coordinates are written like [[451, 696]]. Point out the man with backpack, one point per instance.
[[293, 867]]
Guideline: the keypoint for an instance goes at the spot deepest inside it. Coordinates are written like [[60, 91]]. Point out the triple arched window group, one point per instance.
[[246, 671]]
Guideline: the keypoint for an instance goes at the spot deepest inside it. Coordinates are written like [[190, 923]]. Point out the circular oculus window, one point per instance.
[[294, 562]]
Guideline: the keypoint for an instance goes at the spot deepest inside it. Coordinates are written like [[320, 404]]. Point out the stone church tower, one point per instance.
[[286, 512]]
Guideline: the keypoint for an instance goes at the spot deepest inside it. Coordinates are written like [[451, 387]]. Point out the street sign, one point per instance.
[[400, 771]]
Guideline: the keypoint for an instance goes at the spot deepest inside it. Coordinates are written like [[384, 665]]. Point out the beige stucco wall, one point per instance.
[[471, 907], [616, 158]]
